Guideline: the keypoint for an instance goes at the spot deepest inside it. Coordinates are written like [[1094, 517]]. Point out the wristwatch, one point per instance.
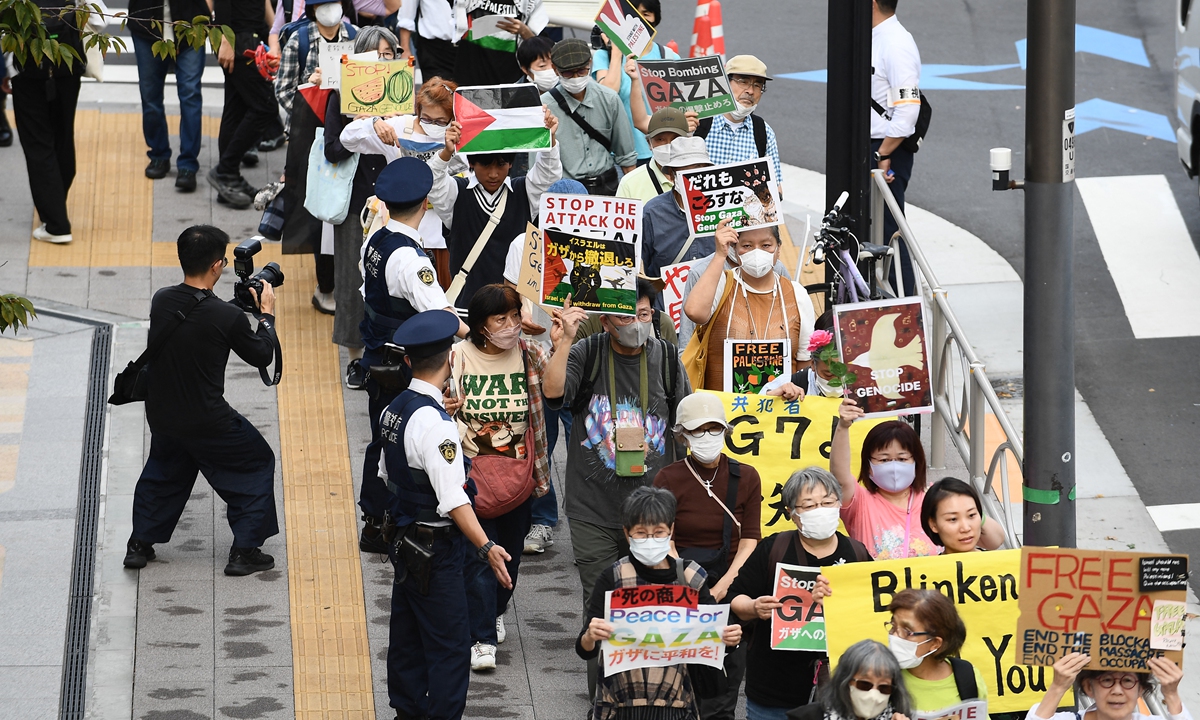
[[485, 549], [879, 157]]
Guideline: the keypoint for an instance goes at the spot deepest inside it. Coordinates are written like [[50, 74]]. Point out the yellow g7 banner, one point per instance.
[[983, 587], [778, 437]]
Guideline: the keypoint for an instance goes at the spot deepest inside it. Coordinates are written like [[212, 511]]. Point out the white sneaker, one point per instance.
[[483, 657], [539, 538], [41, 234], [501, 633], [324, 302]]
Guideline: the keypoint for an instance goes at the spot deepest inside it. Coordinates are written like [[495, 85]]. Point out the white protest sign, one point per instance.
[[970, 710], [661, 625], [594, 216], [675, 278], [330, 63]]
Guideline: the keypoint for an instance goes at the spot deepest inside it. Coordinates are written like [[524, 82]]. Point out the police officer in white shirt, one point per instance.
[[895, 104], [429, 647]]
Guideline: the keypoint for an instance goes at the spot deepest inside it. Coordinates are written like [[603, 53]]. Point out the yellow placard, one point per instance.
[[983, 587], [377, 88], [778, 437]]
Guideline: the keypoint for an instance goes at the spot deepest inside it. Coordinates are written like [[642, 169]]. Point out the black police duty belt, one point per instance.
[[267, 379]]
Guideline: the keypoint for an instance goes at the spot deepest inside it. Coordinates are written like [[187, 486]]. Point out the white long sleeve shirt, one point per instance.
[[895, 80], [545, 172]]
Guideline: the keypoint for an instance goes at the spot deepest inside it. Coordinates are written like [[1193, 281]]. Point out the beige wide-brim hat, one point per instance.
[[747, 65]]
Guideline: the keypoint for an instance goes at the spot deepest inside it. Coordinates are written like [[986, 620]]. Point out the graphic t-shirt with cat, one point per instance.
[[495, 413]]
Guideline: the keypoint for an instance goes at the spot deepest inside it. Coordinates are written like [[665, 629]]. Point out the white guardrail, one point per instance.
[[962, 392]]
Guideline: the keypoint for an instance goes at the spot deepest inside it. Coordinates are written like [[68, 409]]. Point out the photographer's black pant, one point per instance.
[[240, 467]]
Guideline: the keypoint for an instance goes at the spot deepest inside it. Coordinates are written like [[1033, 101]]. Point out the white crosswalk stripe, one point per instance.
[[1184, 516], [1149, 252]]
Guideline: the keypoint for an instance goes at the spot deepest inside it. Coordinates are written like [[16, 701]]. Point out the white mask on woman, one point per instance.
[[819, 523], [329, 14], [545, 79], [706, 448], [823, 387], [649, 551], [906, 651], [757, 262], [868, 704], [437, 132]]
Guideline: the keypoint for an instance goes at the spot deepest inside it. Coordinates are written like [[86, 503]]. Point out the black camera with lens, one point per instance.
[[243, 265]]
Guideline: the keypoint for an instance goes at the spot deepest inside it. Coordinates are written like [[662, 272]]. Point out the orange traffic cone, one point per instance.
[[674, 47], [701, 31], [716, 28]]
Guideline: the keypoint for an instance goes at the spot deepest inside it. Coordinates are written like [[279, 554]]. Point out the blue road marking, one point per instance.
[[1101, 42], [1097, 113], [933, 77]]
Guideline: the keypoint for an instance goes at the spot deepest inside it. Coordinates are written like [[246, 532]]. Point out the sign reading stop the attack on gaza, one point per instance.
[[1120, 608], [697, 84], [985, 588]]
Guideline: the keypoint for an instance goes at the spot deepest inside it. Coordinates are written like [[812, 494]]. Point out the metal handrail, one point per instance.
[[962, 418]]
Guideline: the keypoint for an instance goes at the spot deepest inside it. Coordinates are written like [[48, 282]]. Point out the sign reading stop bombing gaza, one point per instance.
[[384, 87], [697, 84]]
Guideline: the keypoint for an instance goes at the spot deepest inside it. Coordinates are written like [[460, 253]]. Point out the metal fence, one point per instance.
[[963, 395]]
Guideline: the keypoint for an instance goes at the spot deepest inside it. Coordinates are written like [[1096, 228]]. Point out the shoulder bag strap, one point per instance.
[[779, 549], [658, 189], [735, 474], [461, 278], [152, 351], [879, 109], [760, 134], [591, 132], [687, 245], [964, 679]]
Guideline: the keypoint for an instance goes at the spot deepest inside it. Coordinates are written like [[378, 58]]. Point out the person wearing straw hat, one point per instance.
[[729, 137]]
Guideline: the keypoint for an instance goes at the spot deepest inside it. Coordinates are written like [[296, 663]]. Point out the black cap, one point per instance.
[[428, 333]]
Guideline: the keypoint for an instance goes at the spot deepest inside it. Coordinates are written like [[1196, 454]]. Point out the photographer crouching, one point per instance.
[[192, 428]]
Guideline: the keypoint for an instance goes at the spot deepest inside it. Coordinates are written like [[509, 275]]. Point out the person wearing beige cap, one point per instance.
[[730, 138], [648, 180], [718, 517]]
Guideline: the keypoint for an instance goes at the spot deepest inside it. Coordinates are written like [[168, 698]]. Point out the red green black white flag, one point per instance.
[[501, 118]]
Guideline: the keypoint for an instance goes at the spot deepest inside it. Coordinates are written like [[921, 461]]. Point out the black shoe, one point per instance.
[[5, 133], [370, 540], [229, 189], [244, 561], [250, 159], [272, 144], [356, 375], [185, 181], [138, 553], [158, 169]]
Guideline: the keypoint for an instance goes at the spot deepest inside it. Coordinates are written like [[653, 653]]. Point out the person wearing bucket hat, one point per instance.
[[730, 138], [718, 521], [649, 180], [594, 130]]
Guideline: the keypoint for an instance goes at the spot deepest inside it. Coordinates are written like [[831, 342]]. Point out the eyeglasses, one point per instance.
[[642, 316], [576, 73], [868, 686], [643, 535], [829, 502], [698, 433], [759, 85], [224, 262], [430, 121], [1128, 682], [903, 632]]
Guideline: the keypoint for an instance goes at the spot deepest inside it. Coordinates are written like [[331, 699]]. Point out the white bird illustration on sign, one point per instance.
[[884, 354]]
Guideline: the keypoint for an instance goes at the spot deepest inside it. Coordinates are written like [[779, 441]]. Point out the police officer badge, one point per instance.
[[448, 449], [425, 275]]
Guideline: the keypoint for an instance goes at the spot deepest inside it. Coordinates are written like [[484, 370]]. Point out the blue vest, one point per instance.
[[412, 496], [382, 312]]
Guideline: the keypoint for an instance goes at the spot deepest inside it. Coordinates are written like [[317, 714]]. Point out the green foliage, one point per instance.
[[15, 312], [842, 376], [23, 33]]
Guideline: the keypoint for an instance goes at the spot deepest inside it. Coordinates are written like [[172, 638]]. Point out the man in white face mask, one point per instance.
[[750, 302], [730, 138], [666, 236]]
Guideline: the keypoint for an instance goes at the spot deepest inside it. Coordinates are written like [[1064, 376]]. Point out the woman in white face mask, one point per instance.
[[648, 520], [867, 685], [496, 398], [926, 634], [777, 680]]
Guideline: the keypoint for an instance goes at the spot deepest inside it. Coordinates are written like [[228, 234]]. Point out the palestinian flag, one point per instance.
[[489, 36], [625, 27], [500, 118]]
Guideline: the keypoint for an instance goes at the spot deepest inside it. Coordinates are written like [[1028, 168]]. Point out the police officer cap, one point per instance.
[[428, 333], [404, 182]]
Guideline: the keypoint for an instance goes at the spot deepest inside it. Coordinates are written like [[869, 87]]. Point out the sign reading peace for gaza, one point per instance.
[[778, 437], [985, 587], [660, 625]]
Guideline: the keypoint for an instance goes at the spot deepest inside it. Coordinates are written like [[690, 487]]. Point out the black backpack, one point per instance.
[[597, 342], [760, 132]]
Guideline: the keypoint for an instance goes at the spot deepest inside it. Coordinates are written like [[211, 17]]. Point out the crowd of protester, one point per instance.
[[690, 515]]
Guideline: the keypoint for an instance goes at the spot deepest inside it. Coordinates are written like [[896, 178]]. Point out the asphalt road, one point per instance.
[[1154, 433]]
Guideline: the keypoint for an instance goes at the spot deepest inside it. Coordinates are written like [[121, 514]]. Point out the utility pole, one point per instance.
[[1049, 492], [848, 112]]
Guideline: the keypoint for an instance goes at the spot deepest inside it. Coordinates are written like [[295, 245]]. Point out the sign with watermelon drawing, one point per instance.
[[501, 118], [599, 275], [751, 364], [377, 88]]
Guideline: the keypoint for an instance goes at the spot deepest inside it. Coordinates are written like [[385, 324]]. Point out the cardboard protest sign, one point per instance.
[[746, 192], [697, 84], [500, 118], [629, 32], [984, 589], [330, 63], [660, 625], [1090, 601], [971, 710], [751, 364], [599, 275], [883, 344], [777, 436], [529, 282], [675, 278], [800, 623], [377, 88]]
